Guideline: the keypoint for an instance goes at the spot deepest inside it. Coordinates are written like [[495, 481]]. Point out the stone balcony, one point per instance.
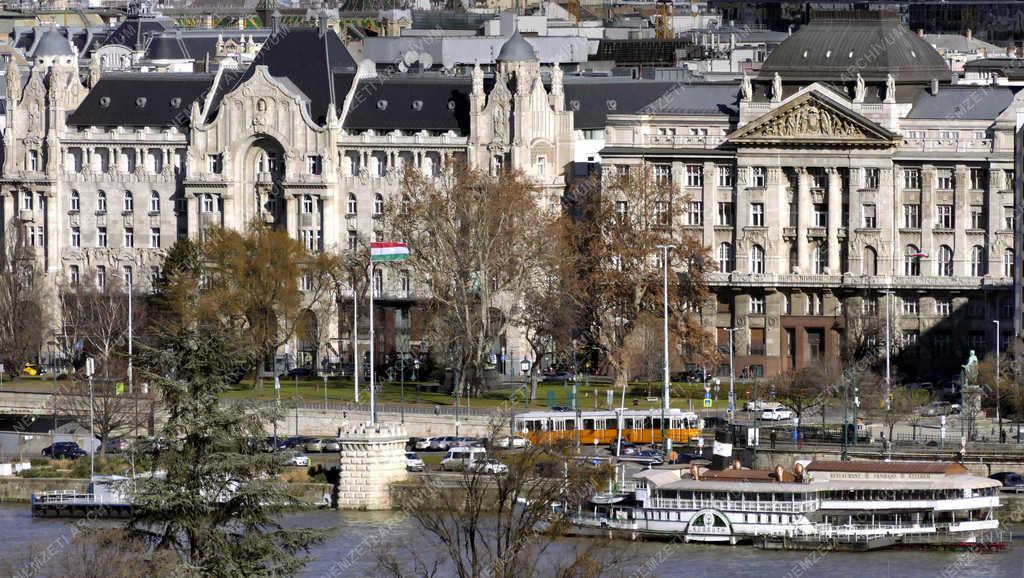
[[848, 281]]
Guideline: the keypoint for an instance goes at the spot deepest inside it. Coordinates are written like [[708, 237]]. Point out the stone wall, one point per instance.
[[372, 458]]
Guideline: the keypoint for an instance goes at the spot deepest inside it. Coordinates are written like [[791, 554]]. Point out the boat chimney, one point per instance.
[[778, 473], [721, 452]]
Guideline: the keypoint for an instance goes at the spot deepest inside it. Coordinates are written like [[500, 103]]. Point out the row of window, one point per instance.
[[128, 239], [127, 276], [912, 260], [127, 201]]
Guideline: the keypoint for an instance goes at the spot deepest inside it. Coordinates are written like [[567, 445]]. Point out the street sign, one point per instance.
[[707, 389], [707, 402]]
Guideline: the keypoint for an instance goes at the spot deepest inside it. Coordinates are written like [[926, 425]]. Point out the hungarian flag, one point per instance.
[[388, 252]]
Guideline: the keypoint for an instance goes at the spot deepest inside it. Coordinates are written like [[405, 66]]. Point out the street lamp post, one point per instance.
[[401, 377], [525, 366], [90, 369], [732, 375], [998, 393], [665, 383], [888, 349]]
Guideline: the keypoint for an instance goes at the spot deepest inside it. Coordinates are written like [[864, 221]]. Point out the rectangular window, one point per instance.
[[912, 216], [208, 203], [949, 135], [944, 216], [33, 160], [871, 178], [695, 213], [726, 216], [943, 307], [129, 237], [542, 166], [870, 218], [694, 175], [794, 214], [758, 177], [101, 277], [101, 237], [405, 283], [977, 216], [661, 213], [912, 179], [757, 305], [662, 174], [756, 214], [76, 237], [870, 306], [74, 276], [26, 201], [154, 238], [76, 201], [979, 178], [725, 176], [315, 164], [214, 164], [307, 204], [819, 178], [910, 306], [820, 215], [353, 240], [129, 279], [311, 239], [944, 179]]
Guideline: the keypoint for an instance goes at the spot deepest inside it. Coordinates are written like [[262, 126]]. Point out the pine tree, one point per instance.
[[212, 495]]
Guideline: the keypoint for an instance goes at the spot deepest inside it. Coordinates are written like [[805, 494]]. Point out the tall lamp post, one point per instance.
[[665, 378], [401, 377], [90, 369], [732, 375], [999, 419], [525, 366]]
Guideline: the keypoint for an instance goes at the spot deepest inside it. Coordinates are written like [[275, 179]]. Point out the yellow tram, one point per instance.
[[638, 426]]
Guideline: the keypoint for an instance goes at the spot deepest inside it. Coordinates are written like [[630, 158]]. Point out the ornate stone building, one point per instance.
[[851, 166]]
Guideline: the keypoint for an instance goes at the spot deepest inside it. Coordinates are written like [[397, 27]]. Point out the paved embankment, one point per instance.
[[21, 489]]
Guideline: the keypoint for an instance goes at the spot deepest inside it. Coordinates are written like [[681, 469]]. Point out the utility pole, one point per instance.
[[998, 391], [732, 376], [665, 392], [90, 369]]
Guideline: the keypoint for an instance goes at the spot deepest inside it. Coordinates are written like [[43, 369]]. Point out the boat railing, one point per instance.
[[737, 506], [73, 497]]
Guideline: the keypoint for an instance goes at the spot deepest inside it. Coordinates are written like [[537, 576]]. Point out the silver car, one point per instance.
[[332, 446], [315, 446]]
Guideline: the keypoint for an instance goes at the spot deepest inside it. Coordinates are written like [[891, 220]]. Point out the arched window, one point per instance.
[[944, 264], [820, 258], [726, 258], [378, 205], [154, 202], [757, 259], [912, 261], [76, 201], [129, 202], [869, 266], [979, 267], [353, 205], [1008, 263], [101, 202]]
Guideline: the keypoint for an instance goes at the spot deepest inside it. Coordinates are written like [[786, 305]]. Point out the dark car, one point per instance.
[[628, 447], [64, 451], [296, 442], [560, 408], [301, 372], [650, 456], [559, 377], [1012, 481]]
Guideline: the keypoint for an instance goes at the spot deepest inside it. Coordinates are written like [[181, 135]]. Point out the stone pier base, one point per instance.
[[372, 458]]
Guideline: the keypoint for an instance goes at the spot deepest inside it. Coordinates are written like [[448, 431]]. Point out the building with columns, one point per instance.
[[851, 177]]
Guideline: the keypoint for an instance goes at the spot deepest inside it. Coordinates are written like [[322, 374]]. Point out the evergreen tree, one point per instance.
[[213, 495]]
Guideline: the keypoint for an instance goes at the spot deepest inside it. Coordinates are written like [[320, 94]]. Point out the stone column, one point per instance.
[[835, 219], [994, 206], [192, 207], [803, 204], [329, 220], [776, 211], [889, 223], [710, 198], [372, 458], [53, 235], [961, 221], [927, 213], [291, 212]]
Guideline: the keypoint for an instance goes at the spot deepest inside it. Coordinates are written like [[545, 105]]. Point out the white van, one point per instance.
[[458, 458]]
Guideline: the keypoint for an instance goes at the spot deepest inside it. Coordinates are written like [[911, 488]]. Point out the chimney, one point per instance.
[[934, 87], [721, 452]]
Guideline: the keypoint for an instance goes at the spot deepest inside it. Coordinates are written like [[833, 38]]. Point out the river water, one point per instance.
[[350, 551]]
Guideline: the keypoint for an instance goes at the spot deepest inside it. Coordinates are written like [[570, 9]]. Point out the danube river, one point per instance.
[[350, 551]]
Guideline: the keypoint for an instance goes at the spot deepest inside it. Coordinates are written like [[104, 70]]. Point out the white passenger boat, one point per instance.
[[832, 505]]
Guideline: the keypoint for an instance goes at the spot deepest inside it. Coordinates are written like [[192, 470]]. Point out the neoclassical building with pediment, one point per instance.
[[850, 177]]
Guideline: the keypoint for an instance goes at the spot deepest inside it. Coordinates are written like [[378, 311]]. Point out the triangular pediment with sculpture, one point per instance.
[[813, 119]]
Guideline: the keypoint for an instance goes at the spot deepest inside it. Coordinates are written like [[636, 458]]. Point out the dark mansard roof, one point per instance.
[[154, 99]]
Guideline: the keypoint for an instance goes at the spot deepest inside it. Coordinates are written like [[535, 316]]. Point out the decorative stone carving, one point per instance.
[[860, 90], [890, 89], [746, 89], [807, 120], [776, 87]]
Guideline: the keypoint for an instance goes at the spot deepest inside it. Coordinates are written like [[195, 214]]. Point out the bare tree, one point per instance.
[[613, 230], [22, 314], [473, 240], [806, 388], [114, 409], [94, 320], [503, 525]]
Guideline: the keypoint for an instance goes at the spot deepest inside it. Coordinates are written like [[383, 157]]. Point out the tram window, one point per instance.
[[569, 425], [656, 422], [599, 423], [588, 424], [648, 423]]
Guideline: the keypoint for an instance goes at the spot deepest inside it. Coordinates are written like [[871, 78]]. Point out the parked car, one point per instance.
[[423, 444], [413, 463], [627, 447], [489, 466], [295, 459], [315, 445], [458, 458], [268, 444], [557, 377], [511, 442], [297, 441], [937, 408], [301, 373], [448, 442], [332, 445], [411, 444], [777, 414], [117, 445], [648, 456], [32, 370], [560, 408], [64, 451], [760, 405]]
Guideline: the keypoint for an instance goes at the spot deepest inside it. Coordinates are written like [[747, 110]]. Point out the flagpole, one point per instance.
[[355, 338], [373, 388]]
